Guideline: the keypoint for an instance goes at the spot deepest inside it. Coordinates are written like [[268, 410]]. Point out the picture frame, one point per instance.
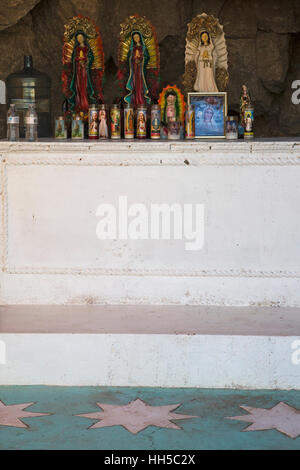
[[210, 114]]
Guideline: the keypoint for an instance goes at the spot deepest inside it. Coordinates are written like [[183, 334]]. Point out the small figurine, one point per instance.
[[206, 58], [170, 109], [139, 62], [83, 60]]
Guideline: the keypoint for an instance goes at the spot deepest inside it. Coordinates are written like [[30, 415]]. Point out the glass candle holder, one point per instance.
[[103, 122], [174, 130], [232, 128], [128, 122], [155, 121], [60, 127], [93, 122], [115, 122]]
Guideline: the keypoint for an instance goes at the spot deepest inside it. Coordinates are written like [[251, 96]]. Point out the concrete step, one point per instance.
[[161, 346]]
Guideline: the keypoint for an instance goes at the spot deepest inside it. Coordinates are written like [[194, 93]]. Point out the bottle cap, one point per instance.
[[28, 62]]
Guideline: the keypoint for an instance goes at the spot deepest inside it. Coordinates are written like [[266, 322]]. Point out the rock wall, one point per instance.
[[263, 40]]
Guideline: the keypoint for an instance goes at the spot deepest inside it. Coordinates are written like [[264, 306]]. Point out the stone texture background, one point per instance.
[[263, 40]]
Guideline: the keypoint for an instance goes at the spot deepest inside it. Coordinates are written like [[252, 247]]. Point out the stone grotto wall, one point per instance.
[[263, 40]]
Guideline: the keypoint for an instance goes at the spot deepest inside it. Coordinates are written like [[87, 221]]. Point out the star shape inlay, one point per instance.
[[136, 416], [11, 415], [282, 417]]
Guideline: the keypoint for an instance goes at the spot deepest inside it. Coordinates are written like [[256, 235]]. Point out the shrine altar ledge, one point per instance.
[[249, 193]]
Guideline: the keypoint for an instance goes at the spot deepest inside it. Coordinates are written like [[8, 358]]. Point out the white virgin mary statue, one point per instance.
[[205, 63]]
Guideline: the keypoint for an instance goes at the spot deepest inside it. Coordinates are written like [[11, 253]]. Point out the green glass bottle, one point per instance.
[[30, 87]]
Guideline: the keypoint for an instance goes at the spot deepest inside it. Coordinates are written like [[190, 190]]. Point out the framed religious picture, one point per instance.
[[210, 114]]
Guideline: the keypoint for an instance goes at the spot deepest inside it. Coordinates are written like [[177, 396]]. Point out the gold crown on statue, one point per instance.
[[80, 23], [202, 23]]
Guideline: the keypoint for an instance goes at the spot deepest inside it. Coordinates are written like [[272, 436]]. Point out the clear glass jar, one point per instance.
[[141, 122], [115, 122]]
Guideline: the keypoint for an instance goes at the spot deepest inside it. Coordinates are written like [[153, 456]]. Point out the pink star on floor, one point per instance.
[[282, 417], [136, 416], [11, 415]]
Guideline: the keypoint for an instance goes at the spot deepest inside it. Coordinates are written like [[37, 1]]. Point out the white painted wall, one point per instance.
[[205, 361], [251, 194]]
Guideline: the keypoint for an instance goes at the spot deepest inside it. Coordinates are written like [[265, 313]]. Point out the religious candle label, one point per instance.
[[174, 130], [103, 124], [31, 120], [77, 129], [231, 129], [190, 123], [155, 123], [93, 123], [60, 129], [115, 124], [249, 118], [141, 123]]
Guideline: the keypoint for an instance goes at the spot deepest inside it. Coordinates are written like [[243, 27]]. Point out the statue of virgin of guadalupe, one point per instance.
[[206, 64], [138, 62], [81, 85], [83, 61], [172, 105]]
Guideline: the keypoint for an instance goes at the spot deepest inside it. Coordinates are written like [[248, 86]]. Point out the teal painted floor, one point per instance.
[[210, 430]]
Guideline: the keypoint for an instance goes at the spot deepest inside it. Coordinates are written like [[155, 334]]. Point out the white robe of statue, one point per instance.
[[205, 80]]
